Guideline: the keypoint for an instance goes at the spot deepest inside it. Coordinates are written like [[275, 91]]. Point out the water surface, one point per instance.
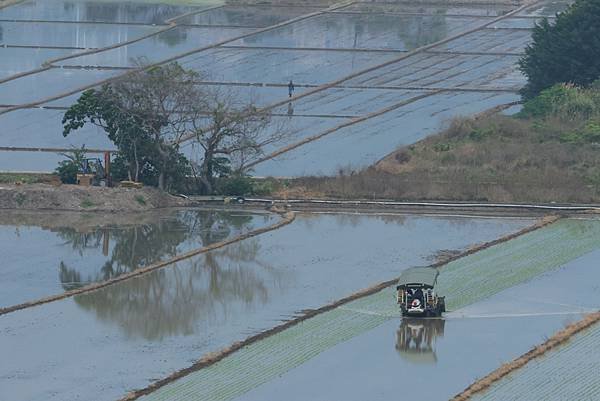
[[46, 255], [145, 328]]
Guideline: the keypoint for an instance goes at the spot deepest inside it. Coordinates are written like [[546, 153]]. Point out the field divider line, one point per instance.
[[368, 50], [52, 150], [326, 49], [212, 358], [286, 219], [9, 3], [413, 14], [504, 370], [50, 63], [46, 21], [43, 47], [338, 127]]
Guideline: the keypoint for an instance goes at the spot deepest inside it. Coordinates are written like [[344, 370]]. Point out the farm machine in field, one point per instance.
[[416, 293]]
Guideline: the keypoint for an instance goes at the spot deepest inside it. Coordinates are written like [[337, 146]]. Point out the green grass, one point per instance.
[[86, 204], [10, 178], [140, 199], [465, 281]]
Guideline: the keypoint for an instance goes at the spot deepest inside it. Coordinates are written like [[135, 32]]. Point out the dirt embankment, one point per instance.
[[78, 198]]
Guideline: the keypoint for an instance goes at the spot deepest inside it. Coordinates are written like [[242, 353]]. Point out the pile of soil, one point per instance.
[[80, 198]]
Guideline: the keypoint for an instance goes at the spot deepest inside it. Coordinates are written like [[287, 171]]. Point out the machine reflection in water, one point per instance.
[[416, 339]]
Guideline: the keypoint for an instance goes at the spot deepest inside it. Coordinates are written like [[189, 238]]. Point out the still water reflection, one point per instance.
[[206, 289], [72, 250], [416, 339]]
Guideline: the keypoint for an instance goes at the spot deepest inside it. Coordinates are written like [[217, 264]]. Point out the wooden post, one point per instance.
[[107, 169]]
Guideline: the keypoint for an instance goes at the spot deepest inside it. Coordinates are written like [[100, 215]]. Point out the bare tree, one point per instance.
[[232, 133]]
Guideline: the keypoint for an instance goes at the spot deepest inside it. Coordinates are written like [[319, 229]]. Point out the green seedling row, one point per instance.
[[485, 273], [576, 362], [464, 281]]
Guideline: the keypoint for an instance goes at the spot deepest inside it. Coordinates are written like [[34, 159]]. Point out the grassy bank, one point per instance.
[[549, 152]]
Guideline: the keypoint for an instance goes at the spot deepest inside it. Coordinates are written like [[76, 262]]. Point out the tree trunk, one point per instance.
[[206, 172], [161, 180]]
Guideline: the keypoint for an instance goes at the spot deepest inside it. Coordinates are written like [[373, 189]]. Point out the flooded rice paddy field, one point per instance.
[[503, 301], [254, 51], [47, 254], [145, 328], [367, 142], [410, 354]]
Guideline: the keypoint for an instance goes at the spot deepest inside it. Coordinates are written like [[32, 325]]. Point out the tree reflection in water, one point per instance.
[[141, 245], [209, 288], [416, 338]]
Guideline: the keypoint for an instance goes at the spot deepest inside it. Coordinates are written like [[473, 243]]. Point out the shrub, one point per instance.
[[67, 169], [547, 102], [87, 203], [236, 185]]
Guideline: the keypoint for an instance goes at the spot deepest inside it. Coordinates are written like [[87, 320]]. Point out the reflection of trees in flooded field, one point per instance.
[[122, 12], [351, 219], [416, 338], [173, 300], [145, 244], [173, 37], [422, 30]]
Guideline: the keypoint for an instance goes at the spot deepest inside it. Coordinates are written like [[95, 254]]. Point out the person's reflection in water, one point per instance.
[[416, 338], [290, 110]]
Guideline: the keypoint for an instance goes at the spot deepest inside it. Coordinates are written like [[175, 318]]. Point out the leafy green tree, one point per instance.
[[143, 116], [567, 51]]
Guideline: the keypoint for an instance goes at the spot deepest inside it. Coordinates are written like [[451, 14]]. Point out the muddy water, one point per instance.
[[402, 358], [45, 255], [144, 329]]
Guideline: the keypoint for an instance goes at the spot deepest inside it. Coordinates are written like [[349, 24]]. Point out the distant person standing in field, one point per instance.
[[291, 88]]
